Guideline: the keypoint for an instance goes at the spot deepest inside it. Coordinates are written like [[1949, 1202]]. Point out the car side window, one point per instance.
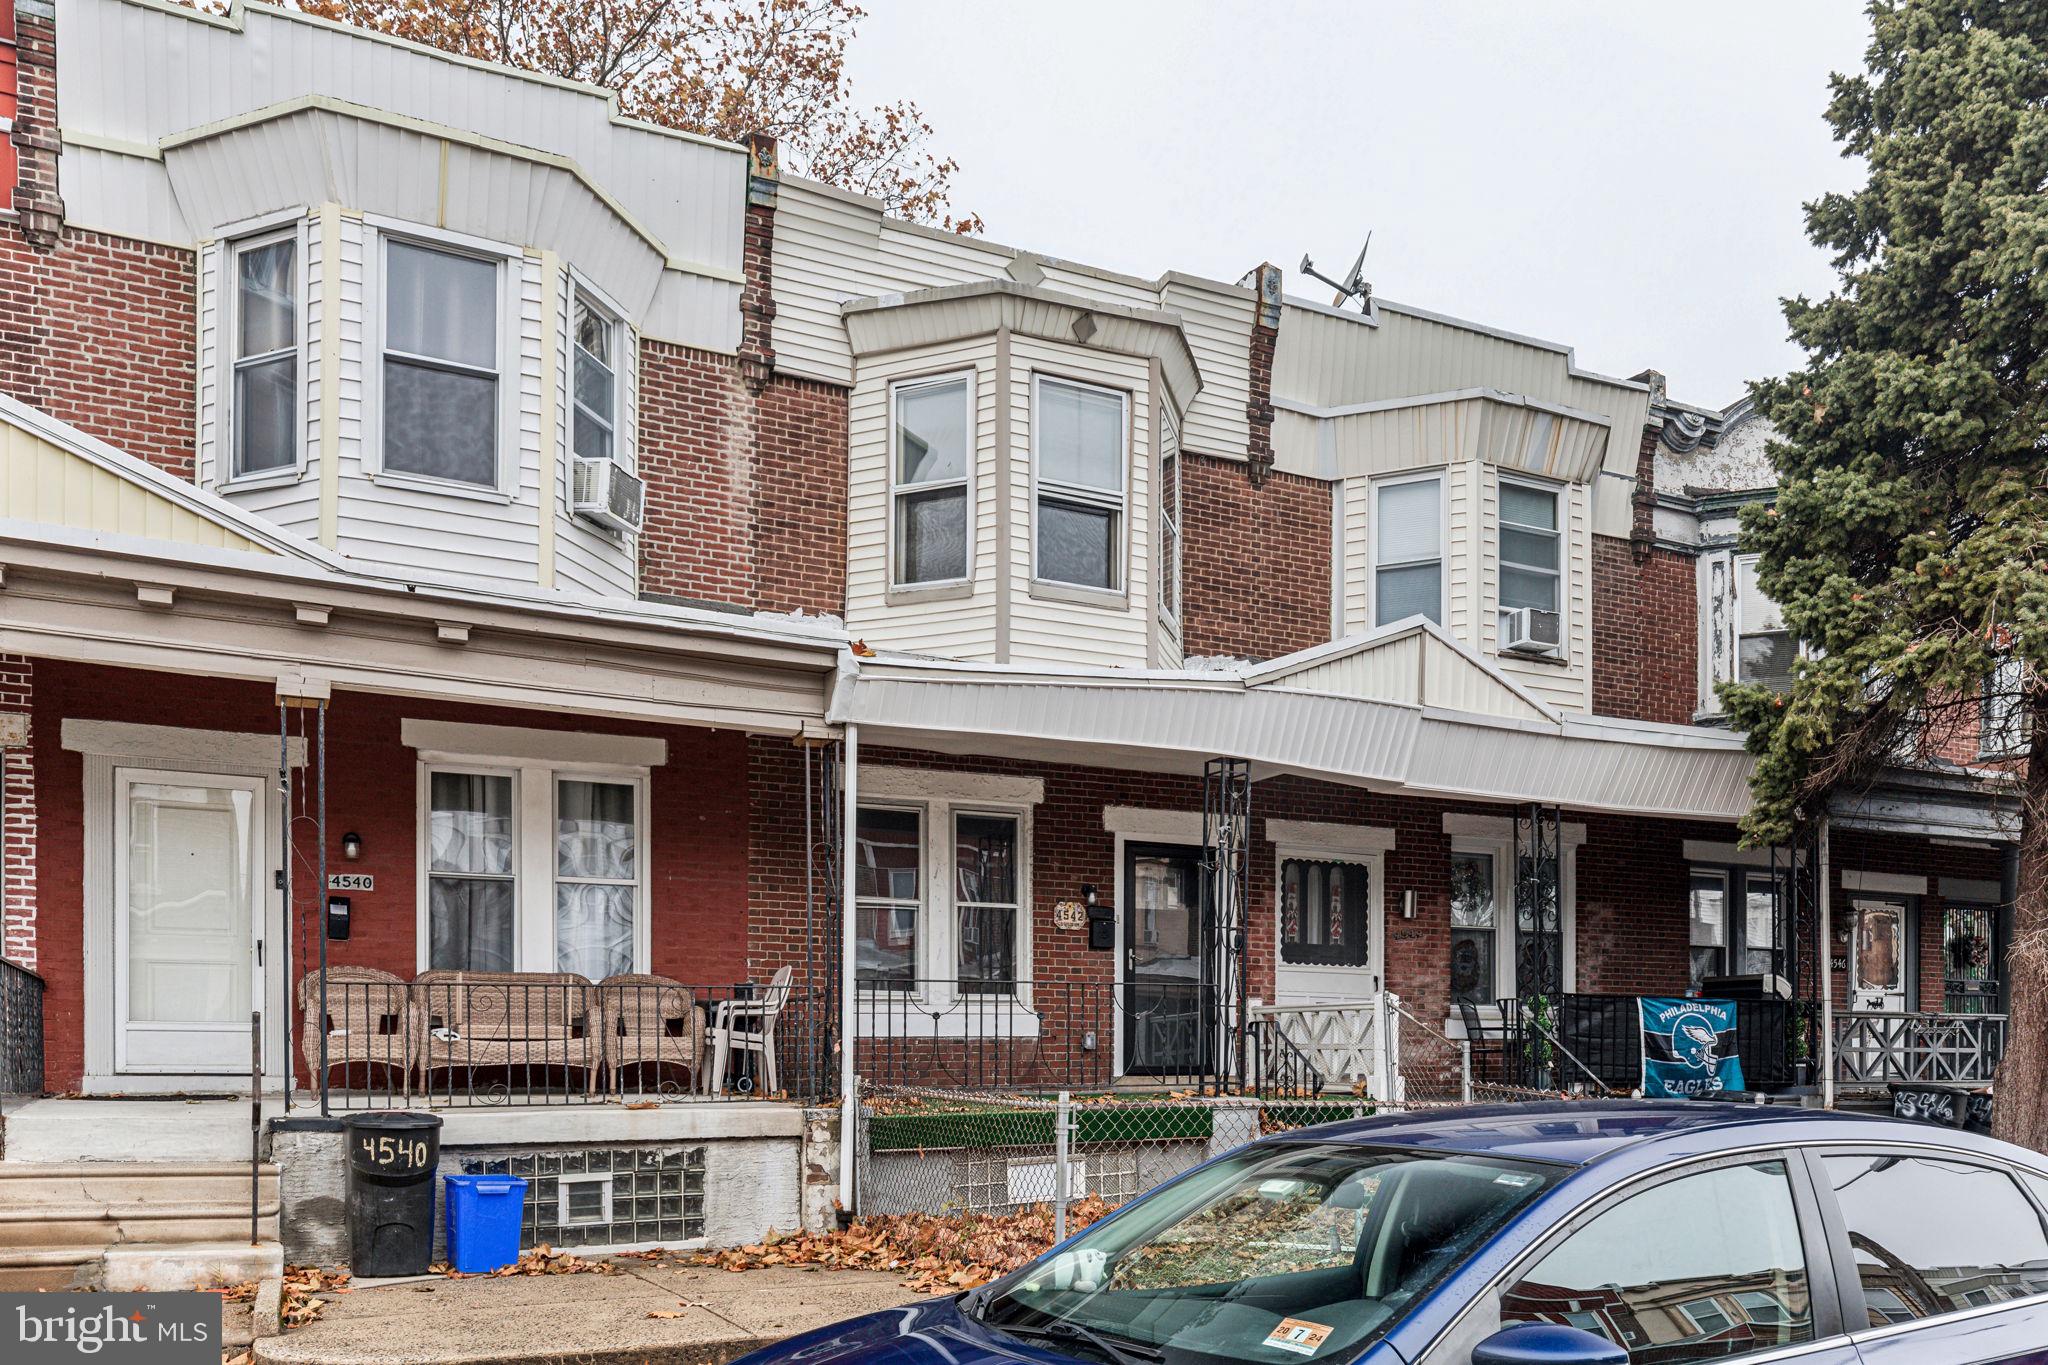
[[1934, 1236], [1704, 1267]]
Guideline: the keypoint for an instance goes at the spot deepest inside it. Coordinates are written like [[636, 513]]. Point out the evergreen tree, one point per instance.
[[1908, 544]]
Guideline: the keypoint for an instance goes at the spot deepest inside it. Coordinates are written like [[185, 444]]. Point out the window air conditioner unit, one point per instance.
[[1527, 630], [607, 494]]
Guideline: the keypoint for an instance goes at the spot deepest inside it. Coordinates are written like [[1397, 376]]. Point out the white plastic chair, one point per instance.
[[747, 1026]]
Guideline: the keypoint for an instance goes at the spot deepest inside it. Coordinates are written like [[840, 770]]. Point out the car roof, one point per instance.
[[1575, 1132]]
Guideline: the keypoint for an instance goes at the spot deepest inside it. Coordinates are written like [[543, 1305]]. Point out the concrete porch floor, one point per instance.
[[216, 1129]]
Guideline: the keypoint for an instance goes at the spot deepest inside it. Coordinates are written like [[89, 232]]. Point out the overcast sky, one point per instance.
[[1625, 178]]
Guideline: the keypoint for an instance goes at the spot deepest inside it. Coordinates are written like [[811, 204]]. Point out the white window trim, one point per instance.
[[562, 1184], [1737, 629], [1494, 835], [292, 228], [2013, 738], [1559, 498], [1171, 548], [967, 482], [625, 345], [534, 804], [938, 797], [506, 258], [1372, 543], [1118, 593]]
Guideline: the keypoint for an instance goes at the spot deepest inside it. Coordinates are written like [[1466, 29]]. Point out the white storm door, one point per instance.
[[189, 855]]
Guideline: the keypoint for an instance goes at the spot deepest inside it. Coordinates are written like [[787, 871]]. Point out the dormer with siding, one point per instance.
[[421, 285]]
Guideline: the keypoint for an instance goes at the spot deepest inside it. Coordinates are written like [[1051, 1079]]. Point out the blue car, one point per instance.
[[1626, 1233]]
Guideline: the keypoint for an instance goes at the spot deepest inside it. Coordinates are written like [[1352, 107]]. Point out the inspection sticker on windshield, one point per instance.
[[1298, 1335], [1511, 1178]]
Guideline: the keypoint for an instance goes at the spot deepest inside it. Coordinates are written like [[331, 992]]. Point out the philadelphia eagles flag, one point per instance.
[[1689, 1049]]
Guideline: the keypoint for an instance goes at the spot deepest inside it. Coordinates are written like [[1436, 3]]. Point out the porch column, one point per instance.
[[849, 808], [1825, 969]]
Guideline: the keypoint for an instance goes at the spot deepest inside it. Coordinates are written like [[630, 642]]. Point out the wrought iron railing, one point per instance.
[[454, 1041], [985, 1034], [21, 1030], [1942, 1049], [1598, 1039]]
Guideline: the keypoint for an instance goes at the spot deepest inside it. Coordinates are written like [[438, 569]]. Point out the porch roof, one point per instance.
[[1162, 721], [132, 567]]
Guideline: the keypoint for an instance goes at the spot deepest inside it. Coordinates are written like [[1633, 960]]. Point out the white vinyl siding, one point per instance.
[[957, 625], [589, 558]]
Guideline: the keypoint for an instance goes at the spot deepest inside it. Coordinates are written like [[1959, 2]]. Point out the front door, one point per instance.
[[189, 855], [1879, 940], [1166, 1021]]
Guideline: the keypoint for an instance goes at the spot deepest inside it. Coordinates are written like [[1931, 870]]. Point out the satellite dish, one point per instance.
[[1353, 286]]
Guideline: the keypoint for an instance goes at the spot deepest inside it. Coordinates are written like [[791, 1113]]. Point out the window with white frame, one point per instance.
[[889, 896], [1078, 449], [930, 471], [1764, 648], [263, 425], [940, 898], [985, 901], [2002, 729], [1169, 539], [441, 364], [533, 868], [596, 340], [1736, 923], [1531, 547], [1508, 930], [1475, 928], [1408, 549]]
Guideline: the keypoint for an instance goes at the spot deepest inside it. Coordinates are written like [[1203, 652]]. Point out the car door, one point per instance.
[[1944, 1256], [1717, 1260]]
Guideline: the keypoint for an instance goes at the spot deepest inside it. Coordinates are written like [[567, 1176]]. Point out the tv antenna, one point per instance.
[[1354, 285]]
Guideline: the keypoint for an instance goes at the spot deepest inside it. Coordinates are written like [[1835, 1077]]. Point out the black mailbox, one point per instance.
[[1101, 927], [337, 917]]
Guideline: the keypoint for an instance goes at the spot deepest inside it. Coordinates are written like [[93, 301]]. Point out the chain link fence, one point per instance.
[[948, 1151]]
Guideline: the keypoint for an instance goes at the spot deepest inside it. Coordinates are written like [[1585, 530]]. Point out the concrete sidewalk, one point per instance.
[[582, 1319]]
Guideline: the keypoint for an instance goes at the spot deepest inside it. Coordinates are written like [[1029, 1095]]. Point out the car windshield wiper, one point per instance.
[[1121, 1351]]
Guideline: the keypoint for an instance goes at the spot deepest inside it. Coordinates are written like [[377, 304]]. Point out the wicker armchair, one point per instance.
[[516, 1021], [367, 1022], [646, 1019]]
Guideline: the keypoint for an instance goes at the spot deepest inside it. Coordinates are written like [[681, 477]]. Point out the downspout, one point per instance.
[[1825, 875], [848, 989]]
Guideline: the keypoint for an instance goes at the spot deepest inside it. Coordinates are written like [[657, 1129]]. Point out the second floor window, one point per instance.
[[1531, 561], [441, 362], [1408, 550], [2002, 712], [266, 365], [929, 471], [1764, 648], [596, 382], [1079, 449]]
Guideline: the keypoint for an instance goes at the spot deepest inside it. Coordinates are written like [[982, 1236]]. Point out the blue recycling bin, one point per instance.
[[483, 1215]]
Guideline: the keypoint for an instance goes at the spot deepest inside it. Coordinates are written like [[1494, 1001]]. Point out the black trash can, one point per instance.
[[391, 1161]]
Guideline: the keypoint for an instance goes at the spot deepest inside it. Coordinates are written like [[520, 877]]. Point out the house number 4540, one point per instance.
[[390, 1151]]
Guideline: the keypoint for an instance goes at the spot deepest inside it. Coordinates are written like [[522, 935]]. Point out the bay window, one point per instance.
[[532, 868], [594, 382], [264, 420], [931, 474], [1078, 459], [441, 364], [1408, 549], [1531, 547]]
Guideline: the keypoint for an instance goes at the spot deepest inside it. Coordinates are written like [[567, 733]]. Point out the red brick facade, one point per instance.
[[1255, 560], [1645, 632]]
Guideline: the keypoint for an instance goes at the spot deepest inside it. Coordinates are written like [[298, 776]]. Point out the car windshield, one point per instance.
[[1276, 1254]]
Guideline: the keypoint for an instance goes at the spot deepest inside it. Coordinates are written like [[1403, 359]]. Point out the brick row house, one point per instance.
[[534, 563]]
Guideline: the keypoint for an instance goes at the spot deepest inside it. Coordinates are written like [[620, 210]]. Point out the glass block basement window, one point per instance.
[[605, 1196]]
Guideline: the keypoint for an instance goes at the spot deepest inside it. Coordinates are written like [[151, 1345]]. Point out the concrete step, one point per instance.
[[94, 1229], [186, 1184]]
